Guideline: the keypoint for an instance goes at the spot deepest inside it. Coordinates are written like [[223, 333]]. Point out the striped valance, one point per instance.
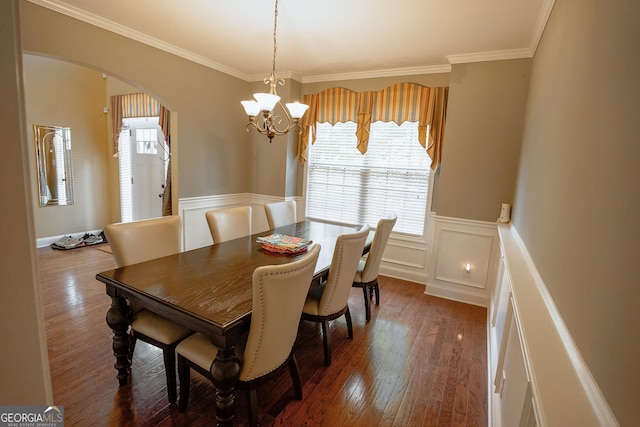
[[135, 105], [398, 103], [139, 105]]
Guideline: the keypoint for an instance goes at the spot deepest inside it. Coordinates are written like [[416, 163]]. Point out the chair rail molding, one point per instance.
[[462, 261]]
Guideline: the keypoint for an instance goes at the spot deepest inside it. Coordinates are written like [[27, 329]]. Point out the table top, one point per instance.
[[210, 289]]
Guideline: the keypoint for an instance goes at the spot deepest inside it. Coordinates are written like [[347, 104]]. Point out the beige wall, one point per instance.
[[63, 94], [24, 364], [482, 138], [577, 204]]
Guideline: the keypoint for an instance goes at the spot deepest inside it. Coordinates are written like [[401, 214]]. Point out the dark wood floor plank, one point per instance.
[[420, 361]]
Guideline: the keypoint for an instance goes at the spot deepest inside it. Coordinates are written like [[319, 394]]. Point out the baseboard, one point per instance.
[[448, 291]]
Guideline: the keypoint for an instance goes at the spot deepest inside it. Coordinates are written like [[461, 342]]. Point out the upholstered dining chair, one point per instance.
[[280, 213], [279, 292], [367, 273], [329, 300], [230, 223], [139, 241]]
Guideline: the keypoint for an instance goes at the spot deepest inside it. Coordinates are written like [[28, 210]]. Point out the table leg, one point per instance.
[[119, 319], [225, 372]]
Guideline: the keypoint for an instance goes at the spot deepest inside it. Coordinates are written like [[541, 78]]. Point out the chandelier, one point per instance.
[[260, 110]]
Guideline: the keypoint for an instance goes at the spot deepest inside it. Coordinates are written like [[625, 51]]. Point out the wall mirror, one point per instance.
[[54, 164]]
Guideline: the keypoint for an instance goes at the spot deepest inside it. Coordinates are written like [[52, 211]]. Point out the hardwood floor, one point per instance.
[[421, 361]]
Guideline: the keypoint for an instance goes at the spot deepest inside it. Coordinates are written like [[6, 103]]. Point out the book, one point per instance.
[[283, 243]]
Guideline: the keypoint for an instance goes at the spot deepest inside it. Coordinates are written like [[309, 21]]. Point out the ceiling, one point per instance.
[[324, 39]]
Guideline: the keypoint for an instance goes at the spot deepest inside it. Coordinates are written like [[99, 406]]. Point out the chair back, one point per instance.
[[138, 241], [380, 239], [281, 213], [346, 256], [230, 223], [279, 293]]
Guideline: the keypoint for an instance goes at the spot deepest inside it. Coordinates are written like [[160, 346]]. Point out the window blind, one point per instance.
[[392, 177]]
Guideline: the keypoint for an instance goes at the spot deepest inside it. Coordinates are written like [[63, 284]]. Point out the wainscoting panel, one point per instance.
[[195, 230], [462, 260], [538, 377]]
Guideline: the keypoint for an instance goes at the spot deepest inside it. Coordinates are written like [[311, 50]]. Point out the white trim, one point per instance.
[[394, 72], [498, 55], [543, 18], [549, 351]]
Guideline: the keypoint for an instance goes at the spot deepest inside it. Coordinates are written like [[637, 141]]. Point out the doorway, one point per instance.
[[142, 161]]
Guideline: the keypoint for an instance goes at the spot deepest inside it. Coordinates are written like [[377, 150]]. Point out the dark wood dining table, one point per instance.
[[209, 290]]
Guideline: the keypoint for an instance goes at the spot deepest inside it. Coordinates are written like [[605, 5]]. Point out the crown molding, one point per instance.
[[543, 18], [114, 27], [392, 72], [284, 75], [497, 55]]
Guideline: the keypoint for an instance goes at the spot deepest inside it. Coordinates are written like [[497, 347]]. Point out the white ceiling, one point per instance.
[[324, 39]]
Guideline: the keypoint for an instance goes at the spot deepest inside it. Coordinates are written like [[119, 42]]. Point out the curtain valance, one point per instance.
[[135, 105], [398, 103]]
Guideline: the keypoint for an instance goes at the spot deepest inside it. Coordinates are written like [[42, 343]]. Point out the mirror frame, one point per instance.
[[54, 164]]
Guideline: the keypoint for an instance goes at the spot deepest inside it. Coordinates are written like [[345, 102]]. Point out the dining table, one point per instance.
[[209, 290]]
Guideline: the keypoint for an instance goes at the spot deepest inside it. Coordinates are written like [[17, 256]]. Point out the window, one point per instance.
[[393, 176], [147, 141]]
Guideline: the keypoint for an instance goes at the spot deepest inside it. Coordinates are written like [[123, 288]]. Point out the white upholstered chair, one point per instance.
[[135, 242], [230, 223], [281, 213], [367, 273], [329, 300], [279, 292]]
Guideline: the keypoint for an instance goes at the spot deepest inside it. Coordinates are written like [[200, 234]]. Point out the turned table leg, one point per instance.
[[119, 319], [225, 372]]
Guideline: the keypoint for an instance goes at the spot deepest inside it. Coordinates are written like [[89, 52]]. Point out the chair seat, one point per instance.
[[199, 350], [358, 276], [158, 327], [312, 303]]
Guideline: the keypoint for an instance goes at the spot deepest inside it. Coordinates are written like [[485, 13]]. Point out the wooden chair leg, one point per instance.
[[169, 355], [252, 403], [295, 376], [327, 342], [347, 316], [185, 378], [367, 303], [377, 291]]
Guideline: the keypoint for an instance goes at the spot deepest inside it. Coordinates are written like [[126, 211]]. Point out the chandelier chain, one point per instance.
[[275, 43]]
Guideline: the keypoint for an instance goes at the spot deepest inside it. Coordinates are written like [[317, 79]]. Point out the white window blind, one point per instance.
[[392, 177], [124, 163]]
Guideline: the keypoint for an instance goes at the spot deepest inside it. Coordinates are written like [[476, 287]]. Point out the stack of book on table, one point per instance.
[[282, 243]]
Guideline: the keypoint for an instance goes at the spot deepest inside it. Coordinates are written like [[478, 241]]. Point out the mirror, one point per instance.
[[53, 160]]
